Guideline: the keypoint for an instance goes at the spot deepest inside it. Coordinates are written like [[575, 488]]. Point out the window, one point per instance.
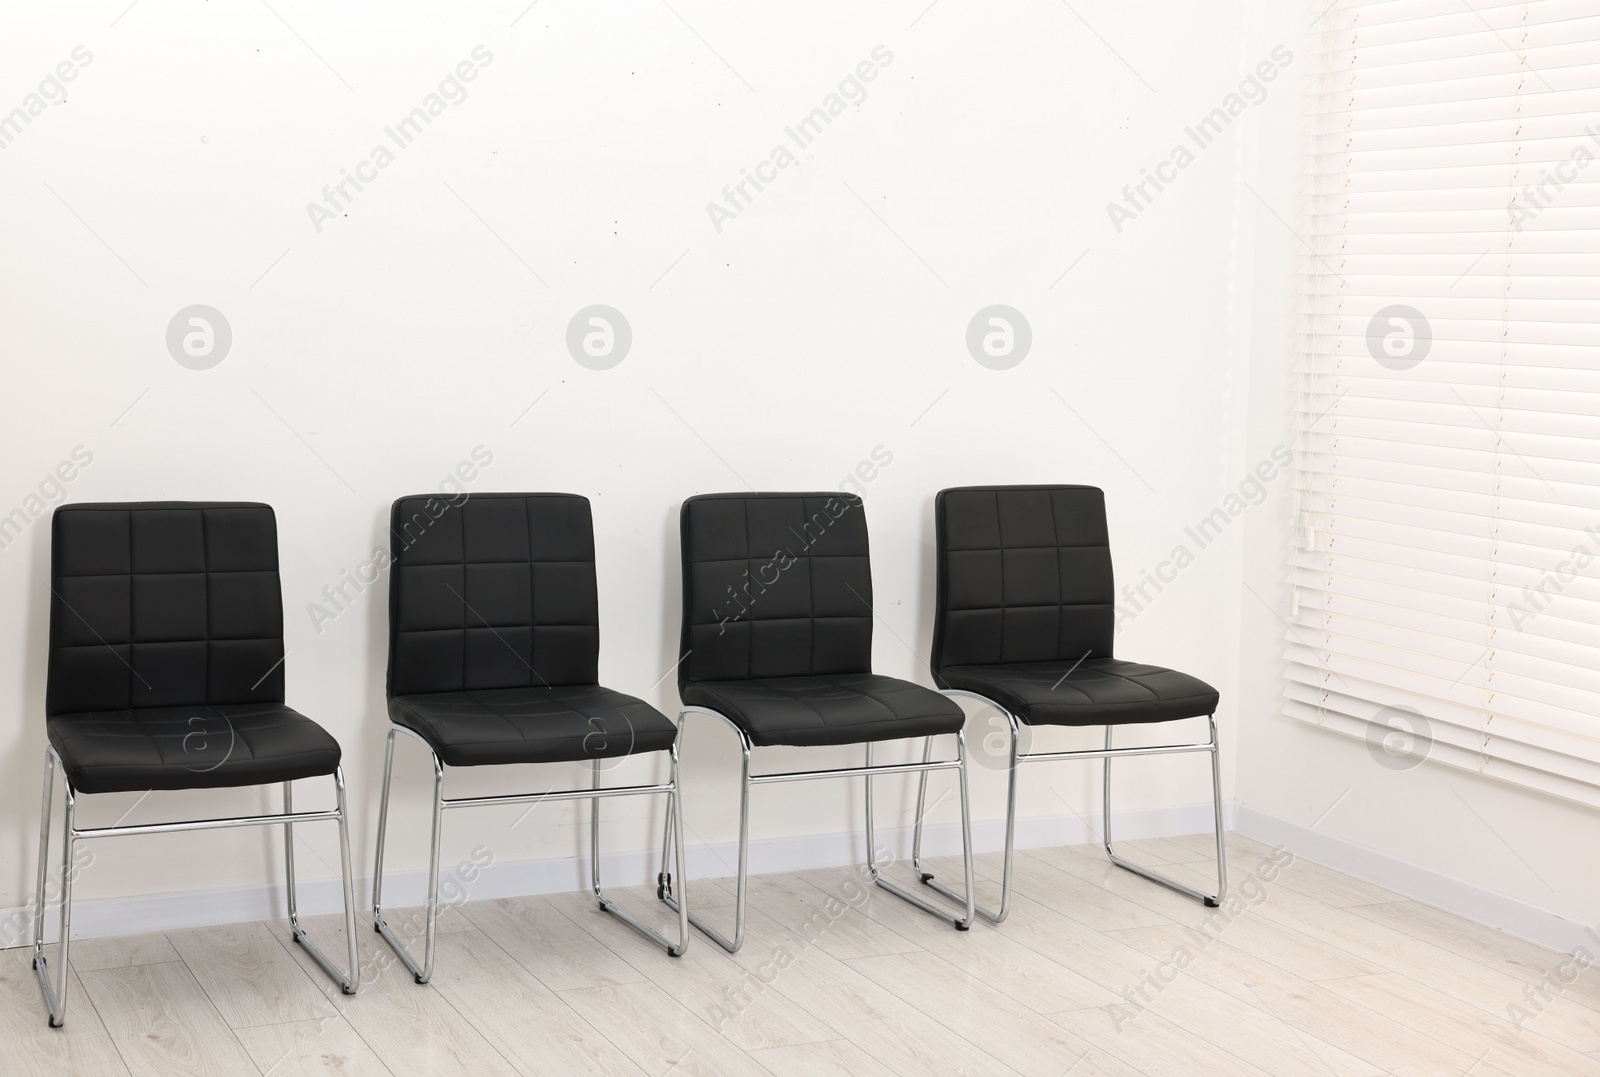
[[1446, 599]]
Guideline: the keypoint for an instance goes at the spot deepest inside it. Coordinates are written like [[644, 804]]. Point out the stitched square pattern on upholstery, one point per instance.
[[1025, 612], [190, 747], [775, 585], [828, 709], [777, 624], [1024, 575], [1096, 691], [166, 650], [162, 604], [494, 637], [533, 725], [492, 591]]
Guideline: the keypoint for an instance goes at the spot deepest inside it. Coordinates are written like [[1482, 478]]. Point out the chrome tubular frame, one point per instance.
[[1018, 757], [664, 882], [55, 994], [423, 972]]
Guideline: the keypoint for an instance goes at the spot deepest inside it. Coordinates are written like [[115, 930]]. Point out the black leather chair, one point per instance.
[[1024, 623], [777, 643], [166, 672], [494, 654]]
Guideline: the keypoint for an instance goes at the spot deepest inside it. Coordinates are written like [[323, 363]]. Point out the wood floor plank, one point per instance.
[[524, 1020], [1203, 876], [247, 976], [1549, 1012], [1244, 854], [705, 980], [1005, 961], [713, 892], [1334, 887], [1095, 955], [413, 1028], [1491, 990], [1380, 1039], [162, 1023], [832, 919], [1548, 970], [324, 1048], [1499, 949], [1244, 1029], [1143, 850], [1162, 901], [1277, 944], [374, 959], [875, 1019], [1151, 1043], [411, 921], [1003, 1028], [1084, 901], [1464, 1025], [657, 1033], [115, 953], [829, 1058], [1299, 952], [1376, 1038], [1097, 971], [83, 1048], [549, 945], [1224, 965]]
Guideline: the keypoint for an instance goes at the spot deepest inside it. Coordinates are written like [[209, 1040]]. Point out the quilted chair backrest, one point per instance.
[[492, 591], [1024, 575], [164, 604], [775, 585]]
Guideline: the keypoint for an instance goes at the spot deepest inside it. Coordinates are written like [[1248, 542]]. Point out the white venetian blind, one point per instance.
[[1447, 557]]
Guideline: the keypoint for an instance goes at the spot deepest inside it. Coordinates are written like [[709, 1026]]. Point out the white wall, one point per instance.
[[822, 324]]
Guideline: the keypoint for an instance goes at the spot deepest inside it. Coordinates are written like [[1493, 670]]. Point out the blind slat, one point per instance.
[[1447, 426]]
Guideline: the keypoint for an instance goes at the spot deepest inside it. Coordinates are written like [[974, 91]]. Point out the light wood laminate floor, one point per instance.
[[1305, 971]]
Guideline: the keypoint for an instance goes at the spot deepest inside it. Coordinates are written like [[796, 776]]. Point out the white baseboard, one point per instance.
[[1508, 914], [103, 917]]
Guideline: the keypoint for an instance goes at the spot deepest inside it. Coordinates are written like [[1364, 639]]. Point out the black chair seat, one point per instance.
[[195, 747], [1095, 691], [533, 725], [850, 708]]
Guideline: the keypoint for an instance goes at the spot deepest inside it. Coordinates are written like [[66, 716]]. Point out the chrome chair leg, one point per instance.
[[664, 889], [1209, 900], [922, 801], [383, 831], [926, 877], [44, 875], [55, 997], [55, 994], [1216, 811], [1017, 757], [673, 949], [664, 876], [348, 871], [424, 972], [664, 883], [960, 923], [347, 983], [683, 866]]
